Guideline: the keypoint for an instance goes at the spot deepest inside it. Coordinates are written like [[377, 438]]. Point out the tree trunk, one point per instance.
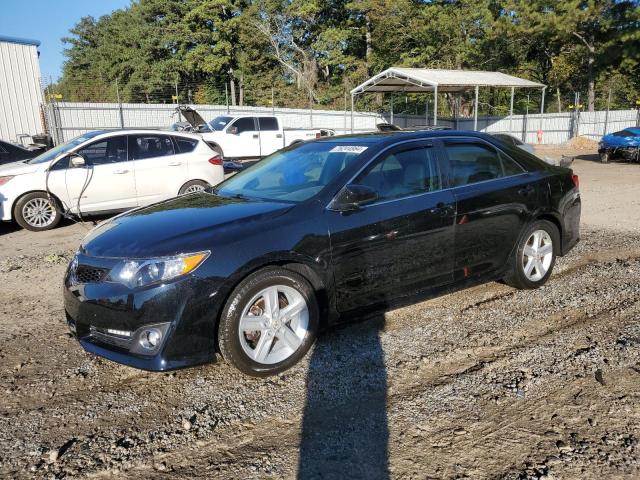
[[367, 39], [591, 89], [241, 84], [232, 85]]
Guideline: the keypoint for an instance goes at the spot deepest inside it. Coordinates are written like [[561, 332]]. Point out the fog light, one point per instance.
[[150, 338]]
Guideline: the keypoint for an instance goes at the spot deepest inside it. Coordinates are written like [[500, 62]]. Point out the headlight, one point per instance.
[[138, 273], [4, 180]]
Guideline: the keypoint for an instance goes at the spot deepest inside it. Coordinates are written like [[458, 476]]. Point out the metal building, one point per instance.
[[20, 92]]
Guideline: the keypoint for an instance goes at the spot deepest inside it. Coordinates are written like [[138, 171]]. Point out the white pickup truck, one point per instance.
[[247, 136]]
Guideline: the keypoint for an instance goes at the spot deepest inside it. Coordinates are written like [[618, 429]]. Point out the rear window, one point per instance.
[[186, 145]]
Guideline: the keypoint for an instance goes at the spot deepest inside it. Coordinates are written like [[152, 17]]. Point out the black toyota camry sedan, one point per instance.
[[313, 234]]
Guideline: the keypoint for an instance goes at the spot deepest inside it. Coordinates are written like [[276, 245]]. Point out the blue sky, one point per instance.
[[49, 21]]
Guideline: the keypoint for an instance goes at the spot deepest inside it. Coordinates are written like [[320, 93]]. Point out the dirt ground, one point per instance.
[[487, 382]]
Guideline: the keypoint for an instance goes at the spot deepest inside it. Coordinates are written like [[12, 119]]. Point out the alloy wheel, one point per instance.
[[39, 212], [537, 255], [274, 324], [194, 188]]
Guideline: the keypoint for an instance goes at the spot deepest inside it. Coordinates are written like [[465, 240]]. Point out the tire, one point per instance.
[[245, 349], [193, 186], [604, 157], [529, 272], [37, 212]]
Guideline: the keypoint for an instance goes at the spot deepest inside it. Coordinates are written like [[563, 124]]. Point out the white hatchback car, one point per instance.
[[103, 172]]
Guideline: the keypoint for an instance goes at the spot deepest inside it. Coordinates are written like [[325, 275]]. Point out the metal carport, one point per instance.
[[420, 80]]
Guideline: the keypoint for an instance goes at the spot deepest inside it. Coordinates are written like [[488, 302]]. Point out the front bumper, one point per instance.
[[105, 317]]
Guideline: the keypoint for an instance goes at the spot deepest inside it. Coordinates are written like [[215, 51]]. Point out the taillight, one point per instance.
[[318, 134], [576, 180], [217, 160]]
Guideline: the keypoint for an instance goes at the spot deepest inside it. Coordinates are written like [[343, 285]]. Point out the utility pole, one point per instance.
[[226, 96], [273, 103]]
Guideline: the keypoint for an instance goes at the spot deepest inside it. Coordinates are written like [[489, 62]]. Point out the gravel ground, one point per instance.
[[487, 382]]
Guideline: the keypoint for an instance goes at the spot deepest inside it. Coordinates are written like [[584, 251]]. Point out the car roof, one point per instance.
[[634, 130], [384, 138], [140, 131]]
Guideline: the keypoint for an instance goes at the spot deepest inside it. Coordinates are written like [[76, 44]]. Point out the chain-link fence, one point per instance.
[[155, 106]]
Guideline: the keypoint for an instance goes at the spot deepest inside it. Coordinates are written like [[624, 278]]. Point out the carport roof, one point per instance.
[[398, 79]]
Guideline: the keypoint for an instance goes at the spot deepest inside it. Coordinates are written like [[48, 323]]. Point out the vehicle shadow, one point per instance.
[[345, 431], [345, 428], [589, 157], [8, 227]]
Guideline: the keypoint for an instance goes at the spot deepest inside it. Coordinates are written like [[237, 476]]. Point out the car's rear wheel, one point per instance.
[[193, 186], [533, 261], [37, 212], [269, 322]]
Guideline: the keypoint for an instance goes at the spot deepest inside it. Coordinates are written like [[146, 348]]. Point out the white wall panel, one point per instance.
[[20, 93]]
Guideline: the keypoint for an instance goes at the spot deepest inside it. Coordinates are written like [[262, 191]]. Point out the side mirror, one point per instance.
[[203, 127], [352, 197], [77, 160], [233, 130]]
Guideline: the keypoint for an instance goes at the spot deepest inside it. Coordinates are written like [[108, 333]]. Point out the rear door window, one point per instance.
[[268, 124], [186, 145], [474, 162], [145, 146]]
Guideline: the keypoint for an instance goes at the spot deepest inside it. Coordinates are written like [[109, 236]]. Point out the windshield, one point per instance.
[[65, 147], [219, 123], [295, 174]]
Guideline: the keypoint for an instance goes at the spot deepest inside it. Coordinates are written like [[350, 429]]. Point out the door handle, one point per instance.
[[255, 135], [120, 171], [175, 164], [278, 135], [526, 191]]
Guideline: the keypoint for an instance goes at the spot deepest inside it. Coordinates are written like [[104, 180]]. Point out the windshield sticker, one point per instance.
[[348, 149]]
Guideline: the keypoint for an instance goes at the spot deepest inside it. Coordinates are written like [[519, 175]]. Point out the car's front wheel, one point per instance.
[[531, 264], [37, 211], [269, 322], [604, 156]]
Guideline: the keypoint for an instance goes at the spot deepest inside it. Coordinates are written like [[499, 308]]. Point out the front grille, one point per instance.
[[103, 336], [88, 274]]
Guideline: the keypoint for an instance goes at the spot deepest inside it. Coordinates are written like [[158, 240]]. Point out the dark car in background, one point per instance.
[[313, 234], [10, 152], [624, 145]]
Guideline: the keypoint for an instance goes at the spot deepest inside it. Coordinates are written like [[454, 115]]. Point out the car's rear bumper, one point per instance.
[[186, 309]]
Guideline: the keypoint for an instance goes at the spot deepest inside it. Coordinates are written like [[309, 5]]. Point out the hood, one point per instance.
[[20, 168], [192, 116], [188, 223]]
